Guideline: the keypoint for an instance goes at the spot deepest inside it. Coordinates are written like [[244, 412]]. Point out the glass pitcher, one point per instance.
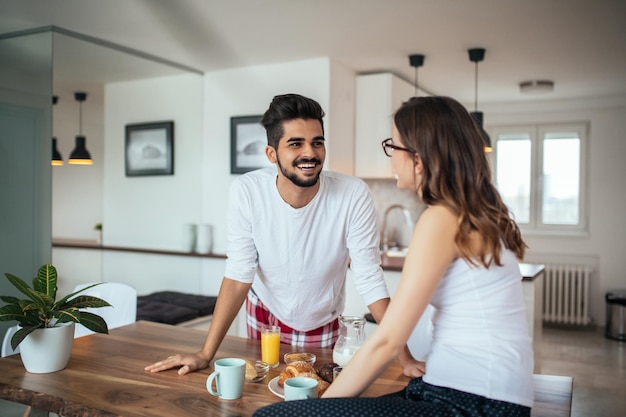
[[351, 337]]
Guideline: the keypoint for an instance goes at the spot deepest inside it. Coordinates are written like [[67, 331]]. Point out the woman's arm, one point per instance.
[[431, 250]]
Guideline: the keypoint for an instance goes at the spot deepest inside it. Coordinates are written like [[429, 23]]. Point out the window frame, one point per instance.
[[537, 134]]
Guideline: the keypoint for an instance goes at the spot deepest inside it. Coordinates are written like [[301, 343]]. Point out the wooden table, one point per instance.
[[105, 377]]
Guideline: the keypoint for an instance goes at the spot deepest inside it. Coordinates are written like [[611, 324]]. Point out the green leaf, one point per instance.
[[24, 288], [46, 281], [11, 312], [21, 334], [93, 322], [63, 300], [87, 301], [71, 314], [9, 299]]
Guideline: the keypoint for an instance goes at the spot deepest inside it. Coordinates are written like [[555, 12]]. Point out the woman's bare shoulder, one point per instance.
[[439, 213]]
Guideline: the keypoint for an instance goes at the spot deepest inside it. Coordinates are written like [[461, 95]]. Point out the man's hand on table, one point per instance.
[[188, 363]]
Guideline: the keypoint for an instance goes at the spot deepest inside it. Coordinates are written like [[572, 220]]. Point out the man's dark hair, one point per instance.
[[289, 107]]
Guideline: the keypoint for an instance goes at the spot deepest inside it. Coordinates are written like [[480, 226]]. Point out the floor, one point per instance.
[[597, 364]]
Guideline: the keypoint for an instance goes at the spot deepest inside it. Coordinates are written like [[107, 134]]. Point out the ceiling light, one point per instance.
[[416, 61], [476, 55], [80, 155], [57, 160], [536, 86]]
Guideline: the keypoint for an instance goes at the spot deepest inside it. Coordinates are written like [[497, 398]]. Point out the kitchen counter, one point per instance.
[[530, 272]]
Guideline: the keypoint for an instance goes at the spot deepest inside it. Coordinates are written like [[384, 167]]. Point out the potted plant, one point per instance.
[[46, 324]]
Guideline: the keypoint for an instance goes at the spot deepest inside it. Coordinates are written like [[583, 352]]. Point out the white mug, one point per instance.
[[229, 375], [204, 238], [189, 237], [300, 388]]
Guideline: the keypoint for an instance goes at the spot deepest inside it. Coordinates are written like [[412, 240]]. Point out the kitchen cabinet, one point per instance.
[[532, 287], [355, 306], [378, 96], [420, 340]]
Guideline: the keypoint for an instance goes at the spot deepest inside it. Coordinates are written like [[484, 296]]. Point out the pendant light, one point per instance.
[[57, 160], [416, 61], [80, 154], [476, 55]]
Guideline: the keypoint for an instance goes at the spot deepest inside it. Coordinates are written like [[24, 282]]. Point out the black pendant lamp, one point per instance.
[[416, 61], [57, 160], [80, 155], [476, 55]]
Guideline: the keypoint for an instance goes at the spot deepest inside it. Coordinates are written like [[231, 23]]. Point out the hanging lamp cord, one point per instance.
[[80, 118], [476, 86]]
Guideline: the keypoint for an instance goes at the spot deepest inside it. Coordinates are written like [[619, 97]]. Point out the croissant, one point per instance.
[[322, 387], [302, 369], [296, 369]]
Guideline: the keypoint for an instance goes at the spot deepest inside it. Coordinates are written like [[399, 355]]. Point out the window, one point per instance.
[[539, 171]]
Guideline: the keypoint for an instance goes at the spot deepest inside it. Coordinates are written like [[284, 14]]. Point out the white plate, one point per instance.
[[276, 389]]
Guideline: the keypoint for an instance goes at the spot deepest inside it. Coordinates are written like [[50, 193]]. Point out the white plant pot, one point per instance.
[[48, 350]]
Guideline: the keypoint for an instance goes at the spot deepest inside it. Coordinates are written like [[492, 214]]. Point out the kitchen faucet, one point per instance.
[[407, 219]]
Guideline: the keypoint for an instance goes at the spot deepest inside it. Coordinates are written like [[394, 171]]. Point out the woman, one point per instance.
[[463, 259]]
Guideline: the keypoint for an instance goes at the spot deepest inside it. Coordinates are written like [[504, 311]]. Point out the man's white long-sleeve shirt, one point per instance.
[[297, 258]]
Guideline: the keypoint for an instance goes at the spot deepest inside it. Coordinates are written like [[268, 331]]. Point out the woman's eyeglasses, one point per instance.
[[389, 147]]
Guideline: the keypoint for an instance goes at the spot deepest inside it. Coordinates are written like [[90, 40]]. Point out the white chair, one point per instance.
[[6, 343], [123, 300]]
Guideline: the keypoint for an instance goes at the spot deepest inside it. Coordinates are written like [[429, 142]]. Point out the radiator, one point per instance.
[[566, 294]]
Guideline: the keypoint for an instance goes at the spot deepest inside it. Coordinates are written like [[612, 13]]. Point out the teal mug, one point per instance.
[[300, 388], [229, 376]]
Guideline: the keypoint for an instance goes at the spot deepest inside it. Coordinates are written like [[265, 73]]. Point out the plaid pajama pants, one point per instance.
[[257, 316]]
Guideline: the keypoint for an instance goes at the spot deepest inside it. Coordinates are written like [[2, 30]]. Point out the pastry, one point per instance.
[[251, 372], [325, 371], [303, 369], [295, 369], [322, 387]]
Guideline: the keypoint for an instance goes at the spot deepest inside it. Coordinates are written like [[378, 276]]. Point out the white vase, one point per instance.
[[48, 350], [189, 237], [204, 238]]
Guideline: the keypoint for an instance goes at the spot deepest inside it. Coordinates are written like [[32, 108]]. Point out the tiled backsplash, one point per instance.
[[386, 194]]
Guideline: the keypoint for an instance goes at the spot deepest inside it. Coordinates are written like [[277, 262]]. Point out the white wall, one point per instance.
[[149, 211]]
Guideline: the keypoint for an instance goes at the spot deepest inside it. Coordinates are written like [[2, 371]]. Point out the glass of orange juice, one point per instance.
[[270, 345]]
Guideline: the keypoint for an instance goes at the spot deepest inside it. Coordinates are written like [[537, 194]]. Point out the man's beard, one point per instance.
[[293, 176]]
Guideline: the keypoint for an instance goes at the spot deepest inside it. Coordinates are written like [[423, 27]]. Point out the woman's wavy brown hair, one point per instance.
[[457, 174]]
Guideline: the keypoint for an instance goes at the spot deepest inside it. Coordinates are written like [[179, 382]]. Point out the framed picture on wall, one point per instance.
[[247, 144], [150, 149]]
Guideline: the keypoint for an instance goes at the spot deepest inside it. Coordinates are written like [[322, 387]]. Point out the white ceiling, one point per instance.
[[579, 44]]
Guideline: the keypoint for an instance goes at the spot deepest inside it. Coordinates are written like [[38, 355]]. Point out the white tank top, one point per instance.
[[480, 338]]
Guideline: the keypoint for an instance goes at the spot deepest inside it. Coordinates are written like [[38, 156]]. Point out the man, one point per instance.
[[292, 233]]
